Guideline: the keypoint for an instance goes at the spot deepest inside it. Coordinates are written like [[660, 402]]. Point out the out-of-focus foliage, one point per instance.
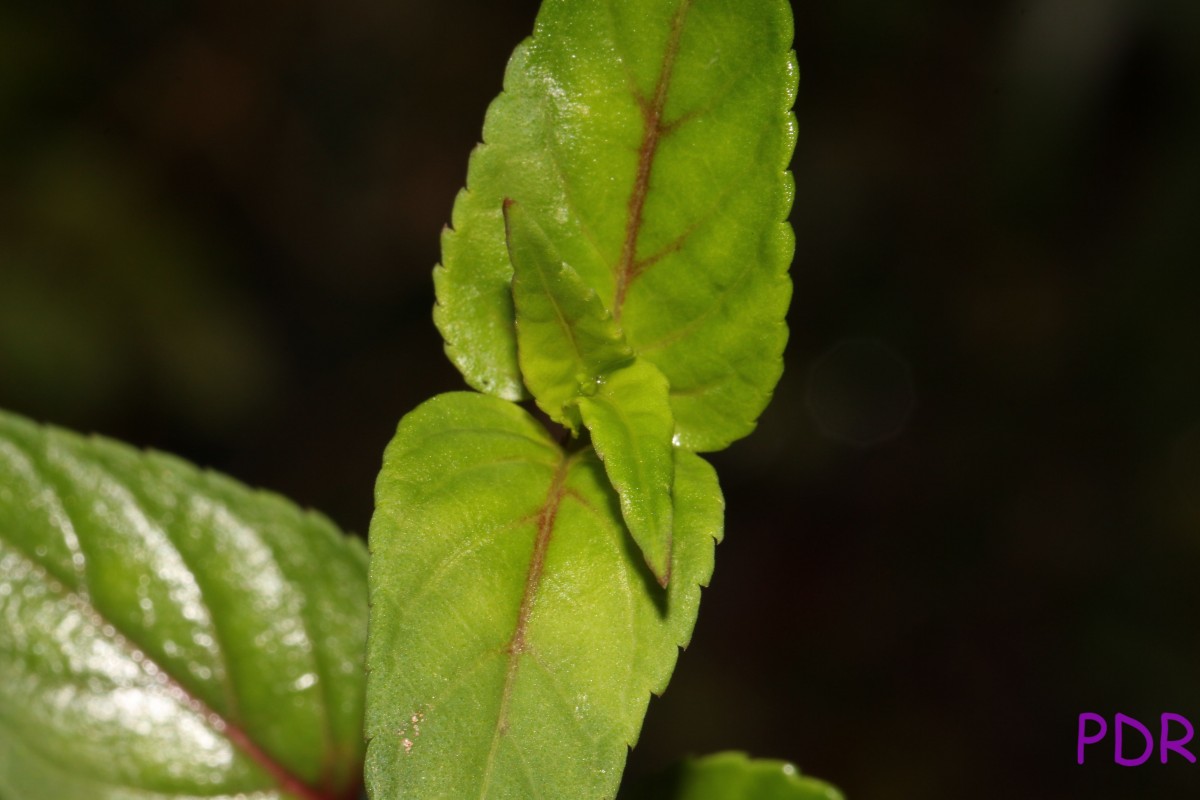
[[731, 776], [170, 633]]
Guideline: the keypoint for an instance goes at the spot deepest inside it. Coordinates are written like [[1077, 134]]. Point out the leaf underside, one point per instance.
[[650, 140], [169, 633], [516, 633], [731, 776]]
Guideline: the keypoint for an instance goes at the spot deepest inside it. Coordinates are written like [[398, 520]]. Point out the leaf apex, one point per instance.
[[665, 577]]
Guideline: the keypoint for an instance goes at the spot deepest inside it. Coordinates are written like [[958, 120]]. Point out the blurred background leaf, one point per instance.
[[730, 776], [218, 221]]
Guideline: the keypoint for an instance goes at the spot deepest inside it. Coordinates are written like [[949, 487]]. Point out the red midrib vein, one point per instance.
[[653, 130], [517, 644], [286, 780], [283, 779]]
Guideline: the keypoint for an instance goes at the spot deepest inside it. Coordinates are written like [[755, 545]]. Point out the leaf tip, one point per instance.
[[506, 209], [662, 571]]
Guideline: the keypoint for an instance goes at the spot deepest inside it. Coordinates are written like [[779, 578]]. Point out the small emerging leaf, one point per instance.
[[516, 634], [566, 339], [169, 633], [575, 362], [650, 139], [631, 425], [731, 776]]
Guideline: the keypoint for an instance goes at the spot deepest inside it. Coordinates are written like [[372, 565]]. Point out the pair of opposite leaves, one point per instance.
[[643, 143], [580, 369], [516, 632]]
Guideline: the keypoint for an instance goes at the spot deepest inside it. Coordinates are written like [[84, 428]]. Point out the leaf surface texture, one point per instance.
[[169, 633], [516, 633], [650, 139]]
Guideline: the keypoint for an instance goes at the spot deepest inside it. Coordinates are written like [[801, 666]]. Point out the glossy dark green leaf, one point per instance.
[[169, 633], [650, 139], [630, 420], [516, 633], [730, 776], [566, 339]]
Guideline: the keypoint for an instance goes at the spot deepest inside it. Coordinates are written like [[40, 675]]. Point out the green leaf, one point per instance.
[[169, 633], [516, 634], [631, 425], [575, 362], [650, 139], [731, 776], [566, 340]]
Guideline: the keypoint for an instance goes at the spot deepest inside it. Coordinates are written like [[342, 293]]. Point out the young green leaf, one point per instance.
[[516, 634], [630, 420], [169, 633], [650, 139], [731, 776], [575, 362], [566, 340]]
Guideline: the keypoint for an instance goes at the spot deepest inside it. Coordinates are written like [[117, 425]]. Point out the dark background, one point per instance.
[[972, 510]]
